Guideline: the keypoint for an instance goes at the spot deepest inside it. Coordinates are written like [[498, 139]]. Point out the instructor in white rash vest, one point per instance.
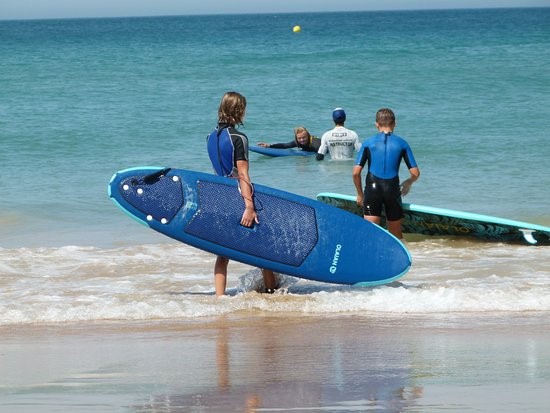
[[341, 142]]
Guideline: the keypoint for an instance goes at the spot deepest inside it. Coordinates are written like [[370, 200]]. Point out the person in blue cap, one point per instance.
[[340, 142], [383, 154]]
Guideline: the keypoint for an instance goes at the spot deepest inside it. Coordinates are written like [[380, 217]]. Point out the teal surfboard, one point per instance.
[[296, 235], [420, 219], [276, 152]]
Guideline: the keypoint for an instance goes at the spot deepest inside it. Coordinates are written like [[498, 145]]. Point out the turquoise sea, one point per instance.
[[83, 98]]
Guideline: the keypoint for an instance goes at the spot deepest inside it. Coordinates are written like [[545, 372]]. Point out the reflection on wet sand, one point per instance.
[[286, 363], [275, 366]]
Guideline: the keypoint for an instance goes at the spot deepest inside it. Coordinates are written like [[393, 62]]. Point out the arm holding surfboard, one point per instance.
[[249, 214], [282, 145]]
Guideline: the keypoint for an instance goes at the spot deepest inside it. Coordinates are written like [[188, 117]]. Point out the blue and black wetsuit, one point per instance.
[[383, 154], [226, 145]]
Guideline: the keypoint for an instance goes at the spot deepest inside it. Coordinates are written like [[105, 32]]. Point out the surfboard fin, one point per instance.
[[528, 236], [155, 176]]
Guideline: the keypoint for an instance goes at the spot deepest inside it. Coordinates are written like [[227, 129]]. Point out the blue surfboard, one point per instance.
[[280, 151], [296, 235], [426, 220]]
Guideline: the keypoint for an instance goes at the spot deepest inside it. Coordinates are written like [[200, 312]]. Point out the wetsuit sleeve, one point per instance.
[[240, 143], [287, 145], [363, 157], [408, 157]]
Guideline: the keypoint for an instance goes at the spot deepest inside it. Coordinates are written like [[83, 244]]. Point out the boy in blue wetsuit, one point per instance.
[[228, 152], [383, 154]]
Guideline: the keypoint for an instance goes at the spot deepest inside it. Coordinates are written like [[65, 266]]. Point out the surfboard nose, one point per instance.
[[158, 195]]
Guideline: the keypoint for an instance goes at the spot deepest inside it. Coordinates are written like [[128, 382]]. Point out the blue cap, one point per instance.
[[338, 115]]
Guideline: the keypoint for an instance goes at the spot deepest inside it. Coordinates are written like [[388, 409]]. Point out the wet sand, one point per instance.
[[263, 363]]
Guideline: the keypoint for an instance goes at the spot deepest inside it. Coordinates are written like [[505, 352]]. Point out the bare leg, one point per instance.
[[395, 228], [220, 275], [269, 280], [373, 219]]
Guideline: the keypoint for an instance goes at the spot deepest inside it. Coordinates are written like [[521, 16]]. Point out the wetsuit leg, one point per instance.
[[392, 200], [373, 197]]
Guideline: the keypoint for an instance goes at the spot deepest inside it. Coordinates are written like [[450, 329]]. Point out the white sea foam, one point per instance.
[[174, 281]]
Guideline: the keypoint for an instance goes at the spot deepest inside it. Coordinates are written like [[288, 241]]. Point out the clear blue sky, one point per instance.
[[38, 9]]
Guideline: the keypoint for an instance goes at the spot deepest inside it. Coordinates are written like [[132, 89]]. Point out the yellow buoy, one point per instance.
[[296, 29]]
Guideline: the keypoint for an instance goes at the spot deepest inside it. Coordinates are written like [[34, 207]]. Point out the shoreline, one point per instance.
[[267, 363]]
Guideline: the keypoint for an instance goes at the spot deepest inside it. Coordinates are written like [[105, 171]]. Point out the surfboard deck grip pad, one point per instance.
[[287, 231], [162, 198]]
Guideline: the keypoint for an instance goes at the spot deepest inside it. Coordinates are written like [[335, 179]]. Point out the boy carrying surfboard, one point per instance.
[[228, 152]]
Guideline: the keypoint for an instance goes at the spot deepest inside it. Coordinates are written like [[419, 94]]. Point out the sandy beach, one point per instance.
[[275, 364]]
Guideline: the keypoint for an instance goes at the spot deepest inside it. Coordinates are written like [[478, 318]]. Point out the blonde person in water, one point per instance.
[[302, 139]]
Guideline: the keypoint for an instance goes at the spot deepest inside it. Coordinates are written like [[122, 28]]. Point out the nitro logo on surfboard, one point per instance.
[[334, 265]]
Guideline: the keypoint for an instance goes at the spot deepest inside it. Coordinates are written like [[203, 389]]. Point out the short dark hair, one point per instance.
[[385, 117]]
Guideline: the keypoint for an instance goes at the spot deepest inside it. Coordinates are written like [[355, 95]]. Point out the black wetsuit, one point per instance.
[[312, 146]]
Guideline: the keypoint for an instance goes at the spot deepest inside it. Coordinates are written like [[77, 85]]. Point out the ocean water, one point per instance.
[[81, 99]]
